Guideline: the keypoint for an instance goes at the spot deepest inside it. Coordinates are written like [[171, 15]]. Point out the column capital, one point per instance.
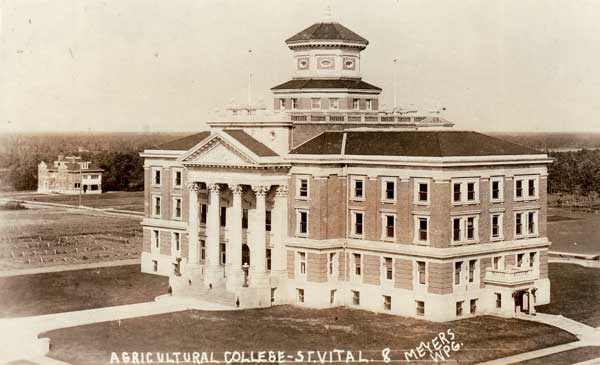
[[213, 188], [236, 189], [193, 186], [261, 190], [282, 191]]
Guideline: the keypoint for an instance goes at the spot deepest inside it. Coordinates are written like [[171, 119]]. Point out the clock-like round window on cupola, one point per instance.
[[349, 64], [303, 63]]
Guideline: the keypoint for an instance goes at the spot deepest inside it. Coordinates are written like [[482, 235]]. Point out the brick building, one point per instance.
[[69, 175], [329, 201]]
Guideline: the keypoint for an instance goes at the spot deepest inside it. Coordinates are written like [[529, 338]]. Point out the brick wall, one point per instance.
[[403, 274], [484, 217], [342, 266], [404, 231], [508, 223], [371, 267], [543, 264], [372, 213], [291, 264], [336, 189], [484, 263], [146, 239], [165, 243], [543, 206], [439, 229], [147, 197], [439, 278], [510, 260], [185, 245], [317, 267]]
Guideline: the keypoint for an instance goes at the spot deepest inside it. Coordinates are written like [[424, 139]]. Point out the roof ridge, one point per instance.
[[506, 141]]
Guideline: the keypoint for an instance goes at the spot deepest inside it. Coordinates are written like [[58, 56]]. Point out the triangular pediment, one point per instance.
[[217, 151]]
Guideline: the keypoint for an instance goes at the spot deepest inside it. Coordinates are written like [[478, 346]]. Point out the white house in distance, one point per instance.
[[69, 175], [327, 200]]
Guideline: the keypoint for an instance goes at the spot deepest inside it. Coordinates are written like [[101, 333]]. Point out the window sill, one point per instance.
[[496, 239], [466, 203], [385, 201]]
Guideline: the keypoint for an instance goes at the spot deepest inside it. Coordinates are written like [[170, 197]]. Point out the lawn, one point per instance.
[[56, 292], [45, 236], [568, 357], [290, 329], [118, 200], [574, 232], [574, 293]]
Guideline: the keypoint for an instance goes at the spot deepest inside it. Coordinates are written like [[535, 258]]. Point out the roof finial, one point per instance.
[[328, 13]]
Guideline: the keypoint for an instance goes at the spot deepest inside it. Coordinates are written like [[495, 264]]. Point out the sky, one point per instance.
[[148, 65]]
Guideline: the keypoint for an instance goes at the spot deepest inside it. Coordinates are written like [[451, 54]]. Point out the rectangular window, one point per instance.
[[334, 103], [315, 103], [387, 302], [519, 188], [177, 207], [423, 192], [459, 308], [389, 224], [268, 256], [302, 261], [389, 190], [369, 104], [358, 223], [420, 308], [497, 262], [473, 308], [176, 241], [531, 222], [77, 185], [520, 259], [471, 191], [496, 226], [389, 268], [303, 188], [421, 271], [273, 294], [223, 216], [300, 294], [355, 297], [531, 259], [355, 104], [456, 233], [497, 188], [177, 178], [331, 263], [156, 238], [202, 250], [157, 176], [531, 187], [498, 300], [223, 253], [268, 221], [281, 103], [203, 209], [294, 103], [157, 205], [423, 229], [457, 272], [519, 224], [154, 265], [332, 296], [456, 196], [472, 266], [357, 263], [244, 218], [470, 228], [358, 188], [302, 222]]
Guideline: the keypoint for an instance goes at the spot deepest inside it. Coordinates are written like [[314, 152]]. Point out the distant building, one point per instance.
[[327, 201], [70, 175]]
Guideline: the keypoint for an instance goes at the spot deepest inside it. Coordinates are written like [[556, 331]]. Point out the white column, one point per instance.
[[193, 224], [258, 249], [279, 228], [213, 274], [234, 245]]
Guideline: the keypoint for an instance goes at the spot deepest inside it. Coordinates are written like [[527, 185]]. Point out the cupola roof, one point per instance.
[[327, 31]]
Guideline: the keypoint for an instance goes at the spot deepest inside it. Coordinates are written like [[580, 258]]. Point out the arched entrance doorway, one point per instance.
[[245, 254]]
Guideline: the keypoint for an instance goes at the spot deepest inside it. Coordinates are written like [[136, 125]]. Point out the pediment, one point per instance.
[[217, 151]]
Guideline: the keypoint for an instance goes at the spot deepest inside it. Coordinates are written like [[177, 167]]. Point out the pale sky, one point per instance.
[[148, 65]]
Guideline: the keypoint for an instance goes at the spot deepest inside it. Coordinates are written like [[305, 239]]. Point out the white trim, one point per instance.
[[500, 226], [353, 180], [174, 207], [353, 214], [463, 183], [174, 172], [384, 236], [153, 212], [156, 169], [298, 214], [384, 181], [525, 224], [299, 179], [500, 180], [524, 179], [416, 199], [416, 237], [463, 228]]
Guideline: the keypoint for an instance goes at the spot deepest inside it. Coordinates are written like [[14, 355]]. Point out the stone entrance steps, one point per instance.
[[215, 295]]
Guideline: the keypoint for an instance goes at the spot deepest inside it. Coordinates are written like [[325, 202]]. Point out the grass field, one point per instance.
[[133, 201], [574, 293], [286, 328], [45, 236], [574, 232], [568, 357], [66, 291]]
